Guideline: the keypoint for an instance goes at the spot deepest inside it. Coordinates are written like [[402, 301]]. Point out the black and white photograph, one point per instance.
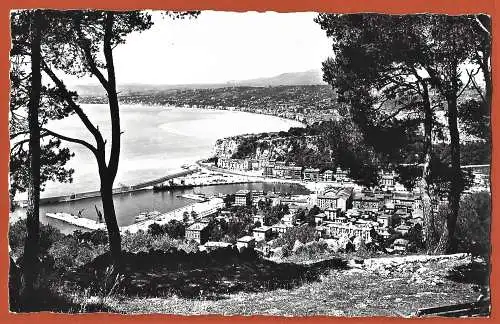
[[250, 163]]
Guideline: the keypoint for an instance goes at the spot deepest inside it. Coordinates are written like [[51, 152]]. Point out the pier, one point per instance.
[[80, 222], [202, 209], [116, 191]]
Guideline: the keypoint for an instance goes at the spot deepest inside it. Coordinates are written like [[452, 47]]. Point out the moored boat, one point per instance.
[[165, 187], [143, 216]]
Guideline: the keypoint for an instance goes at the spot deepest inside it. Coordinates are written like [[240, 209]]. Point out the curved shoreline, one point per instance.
[[289, 123], [238, 110]]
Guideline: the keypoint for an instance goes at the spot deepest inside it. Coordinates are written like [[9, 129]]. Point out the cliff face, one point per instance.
[[280, 148], [270, 147], [226, 147]]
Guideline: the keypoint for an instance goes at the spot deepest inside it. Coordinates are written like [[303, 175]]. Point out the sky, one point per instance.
[[220, 46]]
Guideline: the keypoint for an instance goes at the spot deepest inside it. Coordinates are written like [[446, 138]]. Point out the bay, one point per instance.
[[156, 140]]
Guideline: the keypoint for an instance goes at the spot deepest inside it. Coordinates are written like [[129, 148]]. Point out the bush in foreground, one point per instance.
[[473, 224]]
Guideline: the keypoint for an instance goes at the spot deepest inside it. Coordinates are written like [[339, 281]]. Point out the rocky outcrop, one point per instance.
[[226, 147], [414, 268], [267, 146]]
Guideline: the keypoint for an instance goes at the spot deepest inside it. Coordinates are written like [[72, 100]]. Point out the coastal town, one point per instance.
[[307, 104], [296, 164], [343, 215]]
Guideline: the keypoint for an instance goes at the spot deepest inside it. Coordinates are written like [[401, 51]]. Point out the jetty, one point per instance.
[[202, 209], [121, 190], [81, 222]]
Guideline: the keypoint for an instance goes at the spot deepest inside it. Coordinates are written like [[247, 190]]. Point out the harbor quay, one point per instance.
[[202, 209]]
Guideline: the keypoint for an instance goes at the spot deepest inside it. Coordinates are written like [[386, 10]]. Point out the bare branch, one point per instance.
[[13, 135], [394, 114], [471, 75], [478, 89], [84, 44], [93, 65], [18, 145], [24, 141], [73, 140], [73, 105]]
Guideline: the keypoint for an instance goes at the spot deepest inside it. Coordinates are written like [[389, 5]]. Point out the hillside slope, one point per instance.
[[396, 286]]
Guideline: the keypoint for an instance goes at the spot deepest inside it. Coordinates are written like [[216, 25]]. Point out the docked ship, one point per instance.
[[194, 196], [171, 185]]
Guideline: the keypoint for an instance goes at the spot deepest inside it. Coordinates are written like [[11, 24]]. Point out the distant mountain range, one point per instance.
[[311, 77]]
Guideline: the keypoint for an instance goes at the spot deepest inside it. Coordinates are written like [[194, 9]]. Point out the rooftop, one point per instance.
[[336, 192], [246, 239], [197, 227], [217, 244], [365, 198], [262, 229], [281, 225]]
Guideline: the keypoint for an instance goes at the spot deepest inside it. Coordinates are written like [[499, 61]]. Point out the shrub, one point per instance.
[[312, 250], [137, 242], [17, 236], [175, 229], [188, 246], [69, 252], [473, 224], [155, 229], [303, 234], [95, 237], [415, 238], [163, 242], [364, 252]]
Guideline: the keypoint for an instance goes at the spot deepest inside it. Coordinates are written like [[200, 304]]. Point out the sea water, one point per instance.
[[155, 140]]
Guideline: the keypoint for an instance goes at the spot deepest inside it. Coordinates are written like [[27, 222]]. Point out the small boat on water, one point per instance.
[[143, 216]]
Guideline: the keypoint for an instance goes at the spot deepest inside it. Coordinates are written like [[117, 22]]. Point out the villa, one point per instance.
[[262, 233], [197, 232], [335, 198], [242, 197]]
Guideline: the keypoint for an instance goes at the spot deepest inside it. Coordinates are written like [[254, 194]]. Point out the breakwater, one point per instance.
[[116, 191]]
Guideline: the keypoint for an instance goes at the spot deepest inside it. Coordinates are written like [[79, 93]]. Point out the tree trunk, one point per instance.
[[447, 241], [112, 167], [424, 185], [114, 107], [487, 78], [31, 250], [111, 223]]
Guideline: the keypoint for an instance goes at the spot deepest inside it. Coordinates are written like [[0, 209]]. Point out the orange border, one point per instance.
[[387, 6]]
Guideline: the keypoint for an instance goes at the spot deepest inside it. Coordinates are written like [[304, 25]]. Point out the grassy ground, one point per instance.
[[388, 290]]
